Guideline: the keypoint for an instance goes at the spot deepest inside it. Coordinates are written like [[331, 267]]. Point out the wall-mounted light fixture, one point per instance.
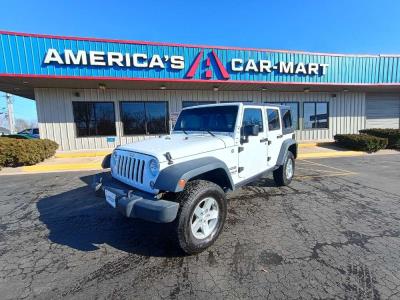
[[77, 94], [345, 90], [264, 89], [102, 86], [163, 87], [306, 90], [215, 89]]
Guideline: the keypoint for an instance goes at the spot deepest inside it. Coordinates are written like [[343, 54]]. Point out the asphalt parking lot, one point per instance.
[[333, 233]]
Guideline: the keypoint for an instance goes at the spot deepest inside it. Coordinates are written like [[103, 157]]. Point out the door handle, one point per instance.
[[264, 140], [279, 136]]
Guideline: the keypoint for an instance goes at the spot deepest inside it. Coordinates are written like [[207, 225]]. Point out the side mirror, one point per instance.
[[250, 130]]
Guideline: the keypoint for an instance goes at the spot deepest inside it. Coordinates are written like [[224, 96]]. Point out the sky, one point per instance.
[[338, 26]]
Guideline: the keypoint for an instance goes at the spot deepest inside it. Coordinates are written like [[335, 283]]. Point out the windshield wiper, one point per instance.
[[210, 132]]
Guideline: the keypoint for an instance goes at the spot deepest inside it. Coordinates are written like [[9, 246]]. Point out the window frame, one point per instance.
[[93, 103], [284, 103], [315, 113], [167, 121], [262, 117], [279, 118]]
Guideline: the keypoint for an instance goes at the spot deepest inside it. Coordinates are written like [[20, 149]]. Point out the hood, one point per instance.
[[179, 145]]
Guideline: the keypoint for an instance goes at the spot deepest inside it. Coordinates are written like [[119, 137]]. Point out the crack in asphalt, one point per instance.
[[318, 238]]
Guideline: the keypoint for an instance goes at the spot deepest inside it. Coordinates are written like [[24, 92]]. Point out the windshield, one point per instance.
[[212, 118]]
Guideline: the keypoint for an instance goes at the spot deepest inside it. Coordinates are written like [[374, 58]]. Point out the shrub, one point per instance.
[[361, 142], [16, 136], [21, 152], [393, 136]]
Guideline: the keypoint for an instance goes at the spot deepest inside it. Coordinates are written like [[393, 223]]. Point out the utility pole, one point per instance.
[[10, 114]]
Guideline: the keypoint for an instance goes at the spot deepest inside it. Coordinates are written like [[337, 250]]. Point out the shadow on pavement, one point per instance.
[[80, 220]]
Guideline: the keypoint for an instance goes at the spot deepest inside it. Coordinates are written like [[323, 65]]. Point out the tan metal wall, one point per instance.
[[56, 122]]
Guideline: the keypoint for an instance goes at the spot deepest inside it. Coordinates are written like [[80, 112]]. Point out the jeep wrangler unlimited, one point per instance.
[[183, 177]]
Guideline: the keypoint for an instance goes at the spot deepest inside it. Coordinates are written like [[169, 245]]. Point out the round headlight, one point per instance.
[[154, 167]]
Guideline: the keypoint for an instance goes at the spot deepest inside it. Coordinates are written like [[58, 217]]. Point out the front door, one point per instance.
[[274, 135], [253, 149]]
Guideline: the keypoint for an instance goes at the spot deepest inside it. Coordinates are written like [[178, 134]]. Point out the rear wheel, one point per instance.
[[201, 215], [284, 174]]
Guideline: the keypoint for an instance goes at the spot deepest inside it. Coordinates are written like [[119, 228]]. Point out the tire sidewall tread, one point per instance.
[[193, 193]]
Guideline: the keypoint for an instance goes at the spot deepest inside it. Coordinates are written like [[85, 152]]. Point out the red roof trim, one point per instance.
[[99, 78], [185, 45]]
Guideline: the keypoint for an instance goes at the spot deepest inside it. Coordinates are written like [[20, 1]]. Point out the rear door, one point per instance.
[[275, 137], [253, 155]]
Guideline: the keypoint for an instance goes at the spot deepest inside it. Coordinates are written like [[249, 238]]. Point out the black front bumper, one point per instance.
[[136, 204]]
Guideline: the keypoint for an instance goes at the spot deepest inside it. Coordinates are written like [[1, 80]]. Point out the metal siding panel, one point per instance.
[[24, 55], [338, 108], [382, 111]]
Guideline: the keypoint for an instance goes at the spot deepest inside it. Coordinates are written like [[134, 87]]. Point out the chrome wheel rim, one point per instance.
[[204, 219], [289, 169]]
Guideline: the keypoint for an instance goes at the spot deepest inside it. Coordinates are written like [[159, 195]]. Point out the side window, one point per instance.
[[273, 119], [253, 116], [287, 118]]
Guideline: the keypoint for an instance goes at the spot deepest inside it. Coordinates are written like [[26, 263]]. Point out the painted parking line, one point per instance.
[[310, 169], [322, 165], [325, 175]]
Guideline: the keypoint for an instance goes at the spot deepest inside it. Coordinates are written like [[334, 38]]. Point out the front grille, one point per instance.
[[130, 168]]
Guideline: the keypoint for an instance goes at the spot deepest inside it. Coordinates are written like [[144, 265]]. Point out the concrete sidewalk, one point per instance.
[[91, 160]]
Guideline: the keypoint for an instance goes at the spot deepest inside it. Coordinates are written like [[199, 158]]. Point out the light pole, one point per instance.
[[10, 112]]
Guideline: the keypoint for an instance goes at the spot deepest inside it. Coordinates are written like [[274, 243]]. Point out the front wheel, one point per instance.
[[201, 215], [284, 174]]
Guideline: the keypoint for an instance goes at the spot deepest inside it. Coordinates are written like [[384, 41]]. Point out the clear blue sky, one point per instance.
[[342, 26]]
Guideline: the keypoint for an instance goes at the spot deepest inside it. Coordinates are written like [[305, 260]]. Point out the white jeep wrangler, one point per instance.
[[183, 177]]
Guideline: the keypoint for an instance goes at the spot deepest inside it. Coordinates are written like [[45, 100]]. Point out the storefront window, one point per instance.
[[94, 118], [316, 115], [144, 117]]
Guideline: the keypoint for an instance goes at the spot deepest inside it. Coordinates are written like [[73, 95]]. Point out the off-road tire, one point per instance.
[[280, 173], [194, 192]]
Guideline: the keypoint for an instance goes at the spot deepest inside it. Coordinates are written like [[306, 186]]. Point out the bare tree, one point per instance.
[[21, 124]]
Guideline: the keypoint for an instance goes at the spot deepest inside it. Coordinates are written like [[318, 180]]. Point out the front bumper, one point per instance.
[[134, 203]]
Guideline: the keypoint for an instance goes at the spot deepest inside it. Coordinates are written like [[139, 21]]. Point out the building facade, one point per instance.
[[96, 93]]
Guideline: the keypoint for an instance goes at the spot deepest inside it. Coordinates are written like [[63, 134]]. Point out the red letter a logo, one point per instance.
[[208, 73]]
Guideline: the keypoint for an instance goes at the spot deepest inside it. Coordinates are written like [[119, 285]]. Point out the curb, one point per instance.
[[106, 152], [82, 154], [63, 167], [97, 165], [330, 154]]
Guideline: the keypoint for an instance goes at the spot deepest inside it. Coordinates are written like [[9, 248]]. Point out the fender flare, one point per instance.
[[284, 150], [169, 177]]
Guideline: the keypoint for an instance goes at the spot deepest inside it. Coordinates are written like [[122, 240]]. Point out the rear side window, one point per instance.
[[253, 116], [273, 119], [287, 118]]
